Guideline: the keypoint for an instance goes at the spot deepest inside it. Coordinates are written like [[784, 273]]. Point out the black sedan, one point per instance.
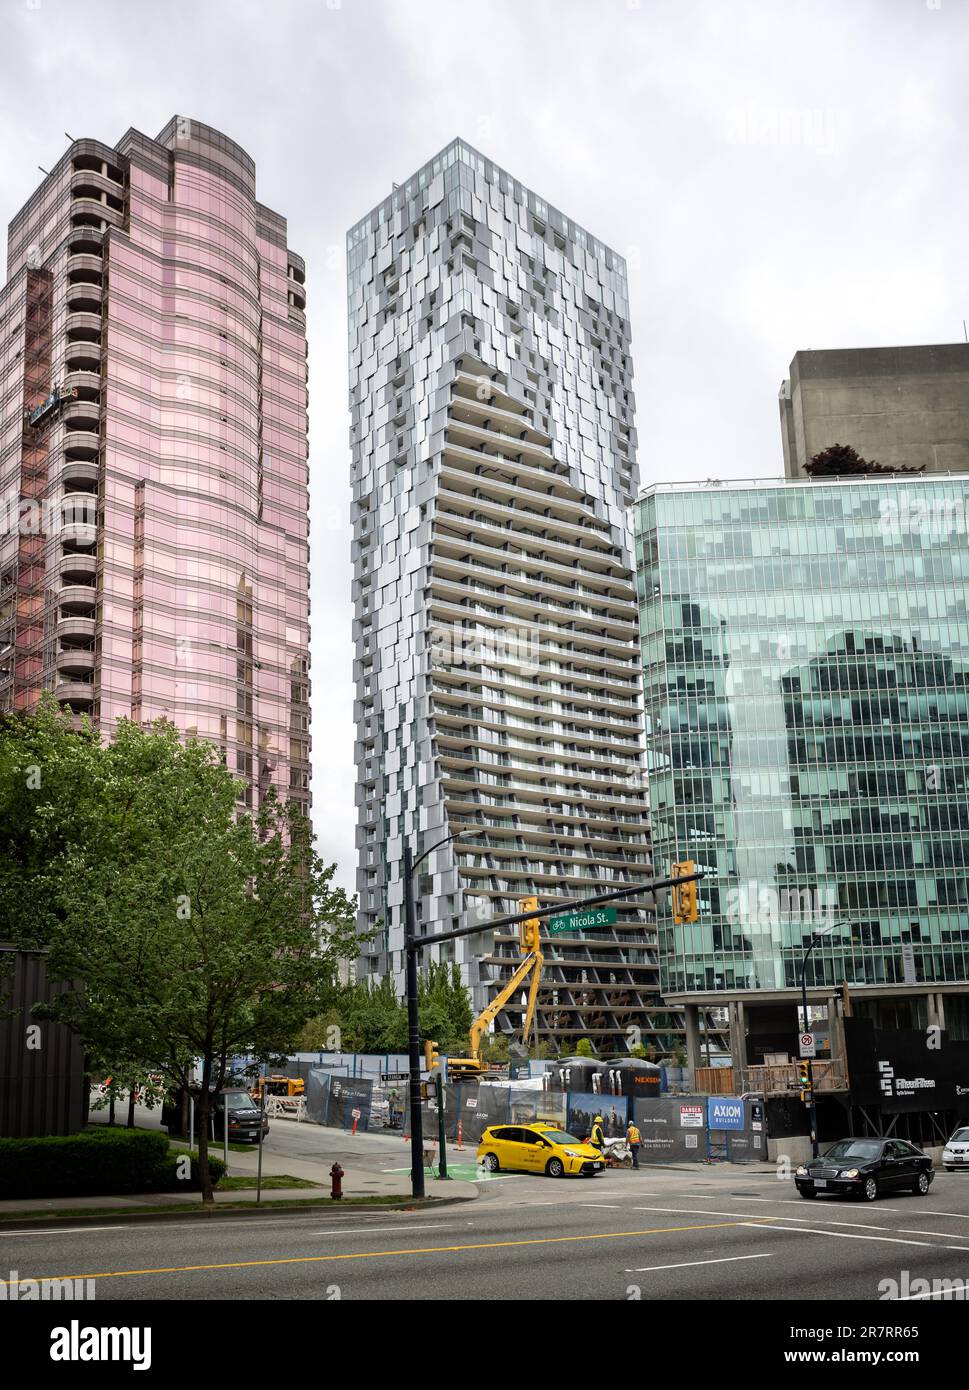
[[866, 1168]]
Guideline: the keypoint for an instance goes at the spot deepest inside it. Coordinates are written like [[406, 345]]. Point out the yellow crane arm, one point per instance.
[[531, 962]]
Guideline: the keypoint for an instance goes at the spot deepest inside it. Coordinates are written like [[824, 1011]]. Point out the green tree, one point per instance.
[[495, 1047], [197, 933], [583, 1048], [637, 1050], [46, 807]]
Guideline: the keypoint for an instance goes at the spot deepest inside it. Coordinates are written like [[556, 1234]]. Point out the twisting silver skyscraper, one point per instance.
[[495, 621]]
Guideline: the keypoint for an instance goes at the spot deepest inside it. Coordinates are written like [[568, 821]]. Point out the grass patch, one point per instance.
[[197, 1210], [246, 1181]]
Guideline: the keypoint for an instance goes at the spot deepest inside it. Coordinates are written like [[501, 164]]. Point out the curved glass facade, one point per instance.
[[806, 658], [154, 407]]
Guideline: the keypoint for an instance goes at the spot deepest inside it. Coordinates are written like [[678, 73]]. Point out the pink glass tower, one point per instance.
[[153, 451]]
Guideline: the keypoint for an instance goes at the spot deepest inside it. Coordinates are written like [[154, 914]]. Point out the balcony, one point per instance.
[[87, 197], [79, 694], [78, 599], [82, 415], [84, 299], [75, 631], [85, 241], [83, 369], [80, 475], [84, 267], [82, 446], [76, 515], [83, 327], [75, 661], [73, 568]]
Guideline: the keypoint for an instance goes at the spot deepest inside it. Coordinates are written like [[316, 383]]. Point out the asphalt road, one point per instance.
[[653, 1235]]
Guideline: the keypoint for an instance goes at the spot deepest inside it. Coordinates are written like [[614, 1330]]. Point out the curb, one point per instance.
[[197, 1213]]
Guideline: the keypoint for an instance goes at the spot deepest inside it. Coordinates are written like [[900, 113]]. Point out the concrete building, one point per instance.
[[902, 407], [805, 653], [153, 451], [496, 665]]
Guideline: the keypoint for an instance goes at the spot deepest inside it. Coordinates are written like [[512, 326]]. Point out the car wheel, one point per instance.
[[555, 1168], [807, 1192], [490, 1161], [869, 1190], [922, 1185]]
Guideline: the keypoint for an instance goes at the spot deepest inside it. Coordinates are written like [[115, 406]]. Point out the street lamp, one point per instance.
[[413, 1019], [812, 1109]]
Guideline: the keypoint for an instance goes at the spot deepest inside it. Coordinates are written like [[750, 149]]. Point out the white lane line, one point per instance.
[[932, 1212], [73, 1230], [709, 1211], [845, 1235], [957, 1293], [803, 1220], [692, 1264], [611, 1206], [381, 1230]]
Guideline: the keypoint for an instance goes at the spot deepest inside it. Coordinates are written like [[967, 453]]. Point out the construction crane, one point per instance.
[[529, 944]]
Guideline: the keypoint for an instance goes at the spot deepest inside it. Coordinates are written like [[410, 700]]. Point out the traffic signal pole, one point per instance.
[[413, 943], [812, 1108], [413, 1035], [806, 1028]]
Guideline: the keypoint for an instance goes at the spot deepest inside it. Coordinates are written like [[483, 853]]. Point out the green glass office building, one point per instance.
[[805, 662]]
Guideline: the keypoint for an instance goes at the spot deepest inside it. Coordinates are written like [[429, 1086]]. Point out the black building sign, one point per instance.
[[907, 1069]]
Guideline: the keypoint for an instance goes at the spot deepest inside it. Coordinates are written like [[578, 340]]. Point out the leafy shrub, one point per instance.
[[97, 1162], [167, 1179]]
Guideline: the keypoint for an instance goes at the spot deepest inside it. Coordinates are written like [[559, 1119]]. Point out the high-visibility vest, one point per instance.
[[634, 1135]]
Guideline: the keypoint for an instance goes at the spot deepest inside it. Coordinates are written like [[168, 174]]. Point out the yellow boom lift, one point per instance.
[[529, 945]]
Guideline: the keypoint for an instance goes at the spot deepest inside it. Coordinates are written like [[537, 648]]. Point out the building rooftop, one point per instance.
[[459, 151], [739, 484]]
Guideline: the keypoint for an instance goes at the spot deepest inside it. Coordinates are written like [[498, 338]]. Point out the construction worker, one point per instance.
[[634, 1139], [596, 1136]]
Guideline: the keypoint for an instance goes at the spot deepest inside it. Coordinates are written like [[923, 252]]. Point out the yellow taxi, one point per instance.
[[537, 1148]]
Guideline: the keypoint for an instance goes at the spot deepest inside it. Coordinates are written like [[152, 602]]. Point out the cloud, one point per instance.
[[686, 133]]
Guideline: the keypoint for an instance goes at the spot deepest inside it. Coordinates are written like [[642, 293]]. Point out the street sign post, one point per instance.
[[808, 1045], [582, 921]]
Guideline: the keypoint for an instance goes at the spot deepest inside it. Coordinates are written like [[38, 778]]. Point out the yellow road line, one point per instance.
[[384, 1254]]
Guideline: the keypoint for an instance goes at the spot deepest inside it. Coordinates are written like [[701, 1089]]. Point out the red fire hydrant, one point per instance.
[[336, 1188]]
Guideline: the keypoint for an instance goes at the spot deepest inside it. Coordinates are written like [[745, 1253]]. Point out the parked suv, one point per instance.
[[243, 1112], [956, 1152]]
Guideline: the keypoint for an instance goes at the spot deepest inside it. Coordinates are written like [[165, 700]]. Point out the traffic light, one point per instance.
[[804, 1081], [529, 929], [431, 1056], [685, 904]]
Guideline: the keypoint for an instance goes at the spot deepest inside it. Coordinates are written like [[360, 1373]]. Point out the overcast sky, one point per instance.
[[780, 174]]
